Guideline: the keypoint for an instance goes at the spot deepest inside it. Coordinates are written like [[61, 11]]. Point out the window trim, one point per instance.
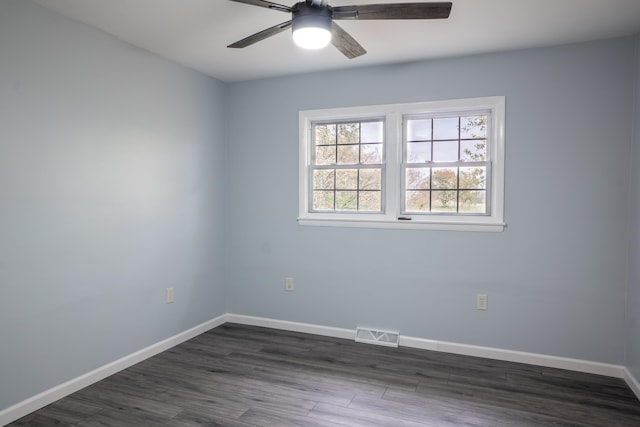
[[392, 167]]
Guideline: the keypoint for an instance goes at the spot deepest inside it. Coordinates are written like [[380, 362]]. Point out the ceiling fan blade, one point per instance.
[[248, 41], [345, 43], [267, 4], [394, 11]]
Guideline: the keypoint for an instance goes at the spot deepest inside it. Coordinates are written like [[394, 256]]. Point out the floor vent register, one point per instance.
[[377, 336]]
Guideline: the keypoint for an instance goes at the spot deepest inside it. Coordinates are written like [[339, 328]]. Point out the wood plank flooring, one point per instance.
[[241, 376]]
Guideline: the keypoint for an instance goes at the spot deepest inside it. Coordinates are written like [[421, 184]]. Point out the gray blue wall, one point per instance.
[[111, 190], [633, 299], [556, 277]]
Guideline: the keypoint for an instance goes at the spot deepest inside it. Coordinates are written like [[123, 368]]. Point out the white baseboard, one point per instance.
[[285, 325], [49, 396], [579, 365], [43, 399], [633, 382], [545, 360]]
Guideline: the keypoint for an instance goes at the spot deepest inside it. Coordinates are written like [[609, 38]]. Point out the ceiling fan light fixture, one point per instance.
[[312, 37], [311, 27]]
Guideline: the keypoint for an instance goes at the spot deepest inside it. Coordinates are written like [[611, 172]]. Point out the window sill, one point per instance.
[[494, 227]]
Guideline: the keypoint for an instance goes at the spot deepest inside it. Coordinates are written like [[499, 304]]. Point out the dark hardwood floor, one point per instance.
[[247, 376]]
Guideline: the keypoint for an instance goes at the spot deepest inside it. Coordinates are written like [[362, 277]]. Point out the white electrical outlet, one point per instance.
[[169, 295], [288, 284], [482, 302]]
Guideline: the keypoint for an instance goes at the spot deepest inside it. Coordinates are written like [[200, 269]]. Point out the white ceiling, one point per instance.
[[195, 33]]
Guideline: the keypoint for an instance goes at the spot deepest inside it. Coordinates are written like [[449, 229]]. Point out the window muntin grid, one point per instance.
[[446, 165], [347, 162]]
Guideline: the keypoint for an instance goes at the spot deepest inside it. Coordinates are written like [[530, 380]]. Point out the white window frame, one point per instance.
[[393, 115]]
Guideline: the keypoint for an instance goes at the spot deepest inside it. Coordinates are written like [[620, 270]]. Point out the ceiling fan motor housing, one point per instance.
[[305, 15]]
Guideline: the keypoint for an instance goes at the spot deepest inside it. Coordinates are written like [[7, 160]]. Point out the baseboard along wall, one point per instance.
[[632, 382], [579, 365], [40, 400], [49, 396]]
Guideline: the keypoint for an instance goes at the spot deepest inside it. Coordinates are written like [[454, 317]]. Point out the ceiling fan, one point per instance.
[[313, 23]]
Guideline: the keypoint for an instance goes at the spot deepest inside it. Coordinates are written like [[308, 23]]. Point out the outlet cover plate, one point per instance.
[[482, 302], [288, 284]]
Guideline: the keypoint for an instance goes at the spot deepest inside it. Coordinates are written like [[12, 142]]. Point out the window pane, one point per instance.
[[371, 154], [323, 179], [371, 132], [322, 200], [348, 133], [473, 127], [370, 179], [473, 201], [325, 134], [370, 201], [325, 155], [471, 178], [347, 154], [473, 151], [417, 201], [347, 179], [444, 201], [444, 178], [417, 178], [445, 128], [418, 152], [346, 200], [445, 151], [419, 130]]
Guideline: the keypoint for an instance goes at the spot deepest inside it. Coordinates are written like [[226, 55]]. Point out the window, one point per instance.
[[445, 164], [431, 165], [346, 166]]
